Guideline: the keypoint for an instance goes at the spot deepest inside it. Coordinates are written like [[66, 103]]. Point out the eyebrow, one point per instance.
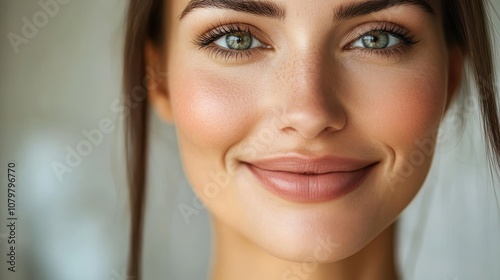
[[260, 8], [272, 10], [367, 7]]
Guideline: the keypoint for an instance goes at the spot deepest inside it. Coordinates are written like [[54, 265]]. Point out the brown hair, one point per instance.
[[466, 27]]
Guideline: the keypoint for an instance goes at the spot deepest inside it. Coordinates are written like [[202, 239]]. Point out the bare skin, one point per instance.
[[373, 262], [299, 80]]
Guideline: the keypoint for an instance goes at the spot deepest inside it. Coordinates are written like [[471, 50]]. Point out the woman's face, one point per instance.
[[305, 119]]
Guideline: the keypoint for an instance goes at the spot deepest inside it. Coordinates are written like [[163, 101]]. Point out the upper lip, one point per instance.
[[311, 165]]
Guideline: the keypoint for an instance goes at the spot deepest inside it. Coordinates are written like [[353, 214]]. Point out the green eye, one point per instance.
[[377, 40], [239, 41]]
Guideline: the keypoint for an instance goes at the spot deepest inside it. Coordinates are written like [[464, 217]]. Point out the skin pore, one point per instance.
[[343, 78]]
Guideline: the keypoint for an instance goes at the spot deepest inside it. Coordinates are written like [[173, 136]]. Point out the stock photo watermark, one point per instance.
[[303, 271], [220, 180], [93, 138], [11, 222], [446, 136], [31, 26], [121, 275], [75, 155]]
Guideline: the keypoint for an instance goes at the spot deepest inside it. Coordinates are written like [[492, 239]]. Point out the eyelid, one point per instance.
[[397, 30], [235, 25], [206, 41]]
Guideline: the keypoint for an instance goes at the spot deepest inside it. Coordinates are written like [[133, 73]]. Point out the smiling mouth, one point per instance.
[[310, 180]]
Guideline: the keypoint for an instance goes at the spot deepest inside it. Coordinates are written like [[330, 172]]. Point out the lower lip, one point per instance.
[[310, 188]]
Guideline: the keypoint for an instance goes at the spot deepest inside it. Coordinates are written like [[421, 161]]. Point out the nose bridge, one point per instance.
[[309, 93], [306, 72]]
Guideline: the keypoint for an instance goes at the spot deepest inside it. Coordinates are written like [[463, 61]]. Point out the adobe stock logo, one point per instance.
[[302, 271], [50, 8], [84, 148], [92, 139]]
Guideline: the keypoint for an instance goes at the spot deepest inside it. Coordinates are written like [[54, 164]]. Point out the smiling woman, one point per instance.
[[346, 98]]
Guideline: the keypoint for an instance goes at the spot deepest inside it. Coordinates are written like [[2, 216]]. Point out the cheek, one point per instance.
[[400, 111], [211, 110], [399, 108]]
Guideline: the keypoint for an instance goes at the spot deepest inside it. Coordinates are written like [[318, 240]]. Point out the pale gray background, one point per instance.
[[65, 79]]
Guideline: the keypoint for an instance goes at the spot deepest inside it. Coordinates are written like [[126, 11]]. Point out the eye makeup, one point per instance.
[[383, 39], [375, 32], [206, 41]]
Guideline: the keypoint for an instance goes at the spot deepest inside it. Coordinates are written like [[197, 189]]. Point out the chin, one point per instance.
[[315, 250], [319, 232]]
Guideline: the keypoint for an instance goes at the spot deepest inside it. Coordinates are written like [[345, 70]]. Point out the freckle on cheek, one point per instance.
[[209, 115], [405, 108]]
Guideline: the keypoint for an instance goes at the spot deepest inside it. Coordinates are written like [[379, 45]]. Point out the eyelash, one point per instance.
[[205, 41], [398, 31]]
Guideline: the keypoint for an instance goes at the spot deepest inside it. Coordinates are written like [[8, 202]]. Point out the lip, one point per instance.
[[303, 179]]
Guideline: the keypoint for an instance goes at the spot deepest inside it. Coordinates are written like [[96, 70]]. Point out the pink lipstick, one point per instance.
[[303, 179]]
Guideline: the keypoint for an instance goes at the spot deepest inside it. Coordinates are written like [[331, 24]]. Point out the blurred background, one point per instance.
[[58, 86]]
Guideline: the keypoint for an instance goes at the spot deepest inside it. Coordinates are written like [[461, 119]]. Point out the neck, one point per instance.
[[235, 257]]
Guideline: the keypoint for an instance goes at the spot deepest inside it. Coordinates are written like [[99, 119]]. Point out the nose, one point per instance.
[[310, 104]]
